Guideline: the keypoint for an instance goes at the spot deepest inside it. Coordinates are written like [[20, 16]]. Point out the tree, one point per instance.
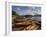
[[14, 13]]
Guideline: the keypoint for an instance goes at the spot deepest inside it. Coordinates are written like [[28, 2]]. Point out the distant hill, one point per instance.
[[31, 15], [38, 15]]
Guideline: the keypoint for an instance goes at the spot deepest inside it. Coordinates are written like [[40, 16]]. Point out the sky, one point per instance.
[[27, 10]]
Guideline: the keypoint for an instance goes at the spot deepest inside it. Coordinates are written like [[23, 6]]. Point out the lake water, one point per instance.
[[37, 18]]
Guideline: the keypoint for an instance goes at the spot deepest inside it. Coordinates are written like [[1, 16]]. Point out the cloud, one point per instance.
[[18, 9], [28, 10], [32, 12]]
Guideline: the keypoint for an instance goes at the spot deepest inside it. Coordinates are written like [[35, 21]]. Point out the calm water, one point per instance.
[[37, 18]]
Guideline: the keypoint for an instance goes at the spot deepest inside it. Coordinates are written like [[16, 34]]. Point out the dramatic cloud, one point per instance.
[[24, 10]]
